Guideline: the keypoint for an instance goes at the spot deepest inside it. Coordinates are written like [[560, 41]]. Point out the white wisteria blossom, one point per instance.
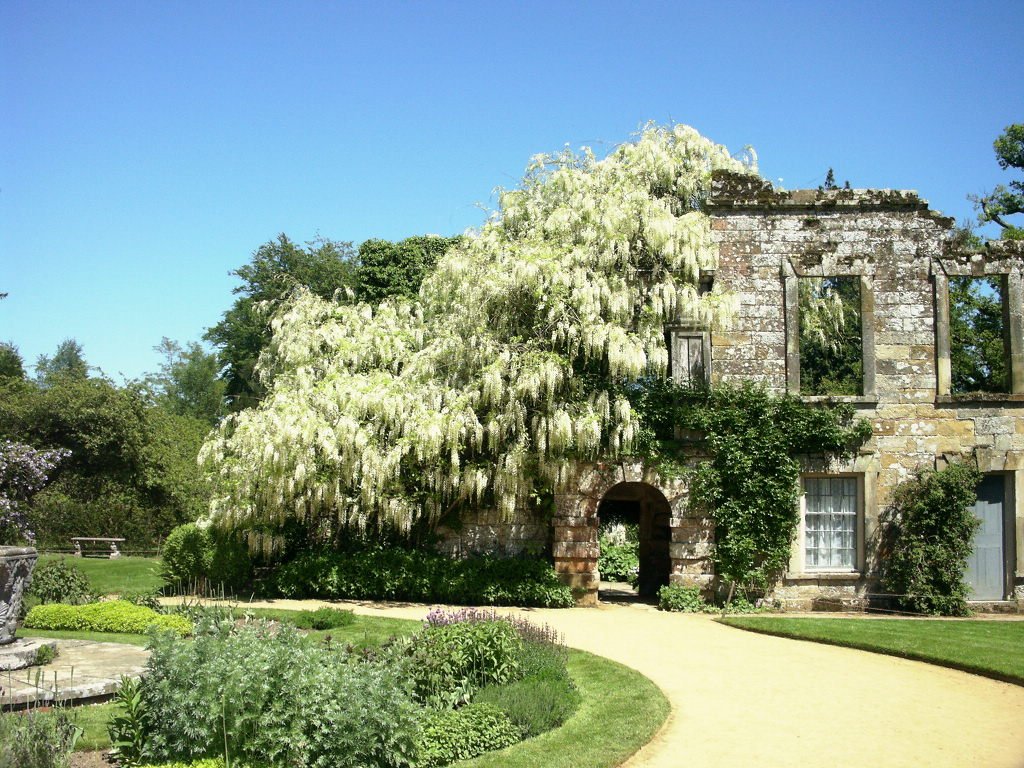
[[504, 372]]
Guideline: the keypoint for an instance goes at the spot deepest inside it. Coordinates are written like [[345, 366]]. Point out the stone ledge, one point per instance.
[[983, 398], [824, 576]]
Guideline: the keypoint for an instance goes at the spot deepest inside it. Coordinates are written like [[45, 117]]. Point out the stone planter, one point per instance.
[[16, 564]]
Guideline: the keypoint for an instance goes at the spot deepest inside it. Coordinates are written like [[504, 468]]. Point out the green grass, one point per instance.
[[991, 648], [124, 574], [620, 709]]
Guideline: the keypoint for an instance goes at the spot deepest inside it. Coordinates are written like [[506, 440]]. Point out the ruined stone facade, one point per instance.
[[900, 252]]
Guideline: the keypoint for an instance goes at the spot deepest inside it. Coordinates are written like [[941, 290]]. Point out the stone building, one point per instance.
[[901, 260]]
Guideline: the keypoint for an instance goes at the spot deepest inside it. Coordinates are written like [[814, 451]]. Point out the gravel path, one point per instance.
[[744, 699]]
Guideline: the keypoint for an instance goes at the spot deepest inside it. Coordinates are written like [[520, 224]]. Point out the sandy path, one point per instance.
[[743, 699]]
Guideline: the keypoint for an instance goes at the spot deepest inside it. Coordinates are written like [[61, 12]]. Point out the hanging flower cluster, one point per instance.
[[503, 372]]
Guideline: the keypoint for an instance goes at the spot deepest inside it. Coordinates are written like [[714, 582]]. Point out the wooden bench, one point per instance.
[[96, 540]]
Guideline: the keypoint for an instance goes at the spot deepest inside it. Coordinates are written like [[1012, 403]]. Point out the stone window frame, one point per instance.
[[797, 557], [791, 291], [1013, 296], [691, 330]]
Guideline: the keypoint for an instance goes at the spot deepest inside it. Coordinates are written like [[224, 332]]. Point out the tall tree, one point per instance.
[[978, 351], [11, 364], [188, 383], [68, 362], [277, 268], [389, 269], [1008, 200]]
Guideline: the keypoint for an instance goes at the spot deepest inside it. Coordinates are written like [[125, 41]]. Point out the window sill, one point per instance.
[[971, 398], [867, 401], [824, 576]]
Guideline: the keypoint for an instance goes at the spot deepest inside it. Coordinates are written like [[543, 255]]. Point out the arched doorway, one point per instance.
[[645, 507]]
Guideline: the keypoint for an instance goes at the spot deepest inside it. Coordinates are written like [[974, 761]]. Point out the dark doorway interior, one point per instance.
[[644, 506]]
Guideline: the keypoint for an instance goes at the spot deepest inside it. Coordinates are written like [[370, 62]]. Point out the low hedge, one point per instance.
[[112, 616], [391, 573]]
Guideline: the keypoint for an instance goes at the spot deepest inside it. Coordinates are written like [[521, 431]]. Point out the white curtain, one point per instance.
[[830, 523]]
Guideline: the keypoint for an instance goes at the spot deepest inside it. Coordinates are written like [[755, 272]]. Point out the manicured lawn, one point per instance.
[[621, 711], [100, 637], [124, 574], [990, 648]]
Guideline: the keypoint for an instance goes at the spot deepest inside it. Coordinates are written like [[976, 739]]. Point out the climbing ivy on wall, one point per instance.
[[749, 483]]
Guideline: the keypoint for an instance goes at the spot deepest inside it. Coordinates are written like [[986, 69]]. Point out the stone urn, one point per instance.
[[16, 564]]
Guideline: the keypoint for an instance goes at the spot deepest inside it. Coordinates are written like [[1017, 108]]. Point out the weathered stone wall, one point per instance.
[[483, 531], [899, 249]]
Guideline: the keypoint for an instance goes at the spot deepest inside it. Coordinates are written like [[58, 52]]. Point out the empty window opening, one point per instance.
[[831, 346], [978, 338]]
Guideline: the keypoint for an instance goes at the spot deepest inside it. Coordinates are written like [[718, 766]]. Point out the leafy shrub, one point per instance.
[[205, 558], [146, 598], [37, 739], [274, 699], [536, 703], [112, 616], [446, 664], [59, 581], [686, 599], [392, 573], [452, 735], [44, 655], [930, 530], [127, 729], [619, 562], [324, 618]]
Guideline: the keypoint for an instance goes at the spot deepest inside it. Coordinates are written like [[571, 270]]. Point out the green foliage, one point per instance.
[[127, 729], [535, 704], [44, 655], [269, 697], [389, 269], [324, 618], [619, 562], [59, 581], [446, 664], [131, 472], [685, 599], [37, 739], [1006, 201], [68, 362], [453, 735], [188, 383], [276, 269], [186, 554], [978, 353], [831, 351], [11, 364], [205, 558], [112, 616], [929, 530], [750, 485], [392, 573]]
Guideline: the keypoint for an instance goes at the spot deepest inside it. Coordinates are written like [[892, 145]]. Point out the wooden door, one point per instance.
[[986, 569]]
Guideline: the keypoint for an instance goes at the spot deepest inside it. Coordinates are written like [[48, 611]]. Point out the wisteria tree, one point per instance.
[[509, 366], [24, 471]]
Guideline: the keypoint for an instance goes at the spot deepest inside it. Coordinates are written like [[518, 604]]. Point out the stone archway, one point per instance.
[[575, 547], [646, 507]]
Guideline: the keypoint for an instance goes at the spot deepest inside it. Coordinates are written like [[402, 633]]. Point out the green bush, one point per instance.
[[205, 558], [274, 699], [686, 599], [37, 740], [452, 735], [59, 581], [113, 616], [619, 562], [392, 573], [929, 532], [446, 664], [535, 704], [324, 618]]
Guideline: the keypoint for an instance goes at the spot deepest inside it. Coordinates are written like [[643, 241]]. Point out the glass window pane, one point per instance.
[[830, 522]]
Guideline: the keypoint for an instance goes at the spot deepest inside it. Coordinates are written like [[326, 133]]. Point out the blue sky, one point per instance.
[[147, 148]]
